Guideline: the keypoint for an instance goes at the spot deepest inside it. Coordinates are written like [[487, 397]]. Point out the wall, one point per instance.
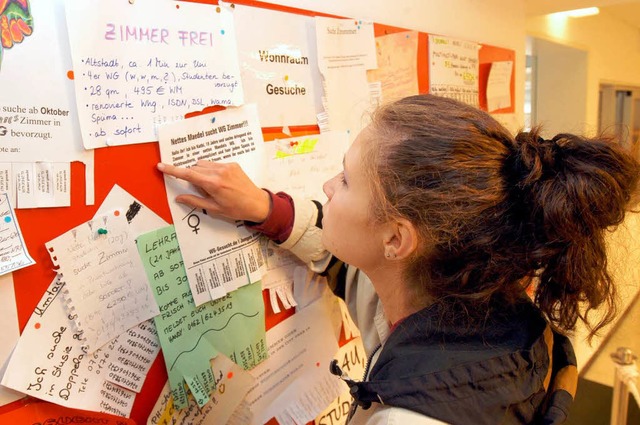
[[495, 22], [560, 85], [613, 49]]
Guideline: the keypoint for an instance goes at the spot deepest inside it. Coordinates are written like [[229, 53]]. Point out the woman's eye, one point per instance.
[[342, 179]]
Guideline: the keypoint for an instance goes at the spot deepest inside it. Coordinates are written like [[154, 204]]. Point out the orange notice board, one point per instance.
[[133, 168]]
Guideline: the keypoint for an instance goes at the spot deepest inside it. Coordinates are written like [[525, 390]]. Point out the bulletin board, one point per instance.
[[133, 167]]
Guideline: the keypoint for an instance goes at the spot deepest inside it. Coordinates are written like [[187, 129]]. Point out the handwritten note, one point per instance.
[[453, 69], [499, 85], [298, 166], [106, 286], [13, 251], [139, 64], [50, 363], [303, 173], [190, 336], [219, 255], [397, 65]]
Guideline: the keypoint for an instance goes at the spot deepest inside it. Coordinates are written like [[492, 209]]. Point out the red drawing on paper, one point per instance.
[[16, 23]]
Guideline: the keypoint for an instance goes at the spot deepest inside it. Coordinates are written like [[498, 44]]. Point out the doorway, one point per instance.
[[619, 115]]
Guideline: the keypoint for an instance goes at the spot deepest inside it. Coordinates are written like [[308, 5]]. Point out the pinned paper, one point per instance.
[[13, 251], [10, 333], [38, 412], [352, 359], [191, 336], [106, 287], [220, 255], [280, 68], [345, 43], [297, 147], [104, 380], [7, 185], [499, 85], [397, 71], [295, 384], [49, 361], [453, 69], [42, 184], [278, 277], [301, 165], [346, 50], [140, 64], [231, 385], [38, 114], [298, 166]]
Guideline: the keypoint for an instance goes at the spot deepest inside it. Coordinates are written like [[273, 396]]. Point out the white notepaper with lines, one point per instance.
[[106, 287]]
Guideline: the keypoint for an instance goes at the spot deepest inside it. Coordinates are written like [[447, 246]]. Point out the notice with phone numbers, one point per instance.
[[191, 336], [219, 255]]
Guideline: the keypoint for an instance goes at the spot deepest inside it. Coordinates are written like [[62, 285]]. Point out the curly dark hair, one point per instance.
[[498, 215]]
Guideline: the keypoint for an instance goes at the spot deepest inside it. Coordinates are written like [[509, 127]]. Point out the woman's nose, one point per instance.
[[328, 187]]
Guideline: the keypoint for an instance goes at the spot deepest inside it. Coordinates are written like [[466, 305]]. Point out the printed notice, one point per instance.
[[38, 115], [345, 43], [50, 363], [139, 64], [219, 255], [106, 285], [190, 336], [346, 50], [13, 251], [42, 184], [280, 68], [295, 385], [453, 69]]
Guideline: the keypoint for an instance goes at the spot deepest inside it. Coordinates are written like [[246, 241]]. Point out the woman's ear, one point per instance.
[[400, 239]]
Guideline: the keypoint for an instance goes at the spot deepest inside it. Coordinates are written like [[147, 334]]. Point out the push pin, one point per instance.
[[102, 231]]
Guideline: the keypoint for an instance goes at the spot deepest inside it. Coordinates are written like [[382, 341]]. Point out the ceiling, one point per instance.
[[624, 10]]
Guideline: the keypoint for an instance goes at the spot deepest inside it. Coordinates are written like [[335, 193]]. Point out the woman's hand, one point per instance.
[[226, 190]]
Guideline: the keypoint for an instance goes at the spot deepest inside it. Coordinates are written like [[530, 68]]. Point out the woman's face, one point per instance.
[[349, 232]]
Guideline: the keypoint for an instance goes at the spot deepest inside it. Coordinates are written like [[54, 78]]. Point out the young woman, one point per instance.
[[443, 223]]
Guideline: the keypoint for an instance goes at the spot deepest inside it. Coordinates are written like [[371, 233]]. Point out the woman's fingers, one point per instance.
[[225, 190], [208, 204], [197, 175]]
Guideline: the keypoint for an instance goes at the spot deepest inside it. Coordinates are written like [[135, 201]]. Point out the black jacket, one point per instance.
[[515, 370]]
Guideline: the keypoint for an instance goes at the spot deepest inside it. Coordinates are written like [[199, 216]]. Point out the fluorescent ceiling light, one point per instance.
[[578, 13]]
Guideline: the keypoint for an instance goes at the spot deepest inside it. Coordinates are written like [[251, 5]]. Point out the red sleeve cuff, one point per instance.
[[279, 223]]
